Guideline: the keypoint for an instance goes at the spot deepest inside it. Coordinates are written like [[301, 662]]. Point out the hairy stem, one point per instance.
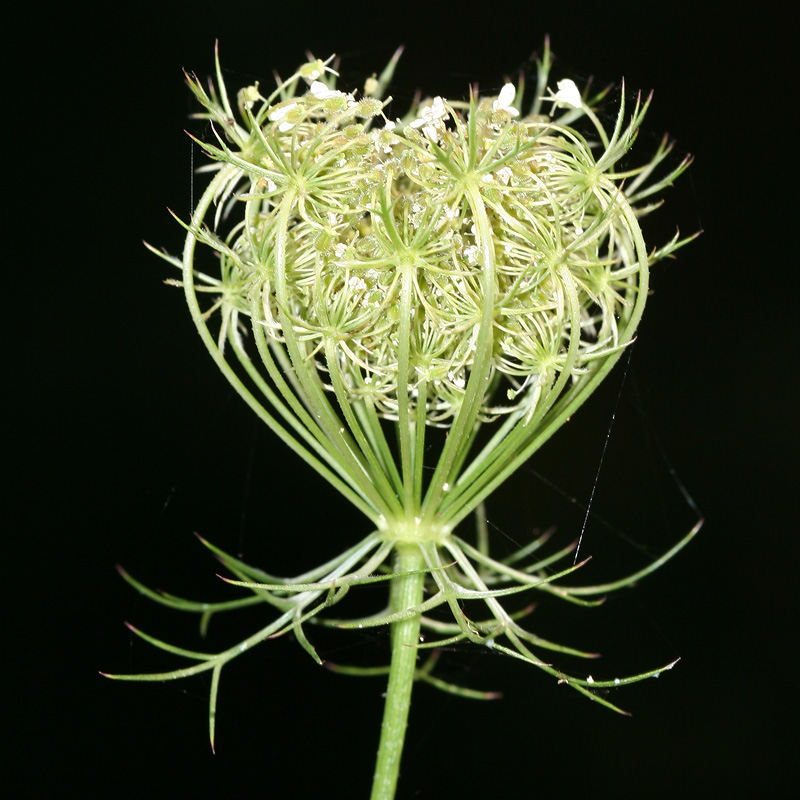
[[406, 592]]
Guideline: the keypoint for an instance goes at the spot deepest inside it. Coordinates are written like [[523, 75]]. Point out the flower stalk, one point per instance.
[[406, 593], [466, 267]]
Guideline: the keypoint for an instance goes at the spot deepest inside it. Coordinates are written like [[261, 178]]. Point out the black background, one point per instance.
[[124, 439]]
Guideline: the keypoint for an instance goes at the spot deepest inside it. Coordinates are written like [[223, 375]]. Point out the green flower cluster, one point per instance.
[[402, 257]]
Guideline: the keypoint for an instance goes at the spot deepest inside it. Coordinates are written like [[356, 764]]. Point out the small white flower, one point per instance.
[[430, 118], [280, 114], [567, 95], [505, 99], [431, 113], [320, 91], [356, 283]]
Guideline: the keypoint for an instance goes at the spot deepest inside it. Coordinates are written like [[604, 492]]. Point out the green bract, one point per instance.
[[469, 264]]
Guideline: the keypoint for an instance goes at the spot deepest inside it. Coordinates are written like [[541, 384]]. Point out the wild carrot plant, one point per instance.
[[363, 280]]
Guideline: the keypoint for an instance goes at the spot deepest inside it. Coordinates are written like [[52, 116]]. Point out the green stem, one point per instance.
[[406, 593]]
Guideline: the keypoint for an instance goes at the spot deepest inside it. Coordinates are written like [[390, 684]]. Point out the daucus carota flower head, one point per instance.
[[469, 263], [400, 257]]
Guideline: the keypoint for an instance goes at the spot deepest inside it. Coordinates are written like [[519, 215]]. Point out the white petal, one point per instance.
[[568, 94], [506, 96], [281, 112], [438, 110], [322, 92]]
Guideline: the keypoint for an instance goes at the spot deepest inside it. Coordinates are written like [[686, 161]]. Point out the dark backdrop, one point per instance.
[[125, 440]]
